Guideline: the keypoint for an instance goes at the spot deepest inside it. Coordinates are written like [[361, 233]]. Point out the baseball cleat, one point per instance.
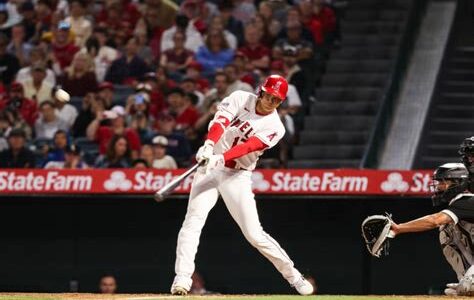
[[303, 287], [178, 291]]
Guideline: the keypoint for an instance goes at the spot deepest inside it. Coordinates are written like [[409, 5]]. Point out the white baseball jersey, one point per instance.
[[239, 109]]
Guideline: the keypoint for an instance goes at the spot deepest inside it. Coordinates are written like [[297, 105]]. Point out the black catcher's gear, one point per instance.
[[456, 176], [466, 150], [376, 231]]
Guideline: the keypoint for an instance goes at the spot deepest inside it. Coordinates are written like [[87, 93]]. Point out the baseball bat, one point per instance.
[[171, 186]]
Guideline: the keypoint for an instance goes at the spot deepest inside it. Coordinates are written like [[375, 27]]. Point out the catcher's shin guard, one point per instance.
[[452, 254]]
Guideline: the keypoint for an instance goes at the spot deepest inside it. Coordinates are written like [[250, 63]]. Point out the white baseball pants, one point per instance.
[[235, 186]]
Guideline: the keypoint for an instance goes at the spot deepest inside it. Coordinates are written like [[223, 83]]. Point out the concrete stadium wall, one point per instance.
[[47, 242]]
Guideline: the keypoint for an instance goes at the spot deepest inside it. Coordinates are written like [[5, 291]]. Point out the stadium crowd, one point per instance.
[[145, 77]]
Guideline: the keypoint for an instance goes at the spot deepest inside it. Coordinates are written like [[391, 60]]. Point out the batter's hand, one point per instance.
[[215, 162], [205, 151]]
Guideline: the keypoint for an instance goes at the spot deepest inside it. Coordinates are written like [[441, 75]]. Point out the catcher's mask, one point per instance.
[[448, 181], [466, 150]]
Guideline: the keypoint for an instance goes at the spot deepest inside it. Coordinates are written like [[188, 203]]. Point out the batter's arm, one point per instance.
[[422, 224], [251, 145]]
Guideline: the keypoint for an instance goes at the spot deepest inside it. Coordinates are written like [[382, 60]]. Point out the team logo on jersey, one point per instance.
[[270, 137], [394, 183], [117, 181]]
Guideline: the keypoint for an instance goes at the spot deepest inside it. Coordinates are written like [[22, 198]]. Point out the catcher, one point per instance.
[[455, 222]]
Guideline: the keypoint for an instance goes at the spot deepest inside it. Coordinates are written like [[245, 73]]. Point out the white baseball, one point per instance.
[[62, 95]]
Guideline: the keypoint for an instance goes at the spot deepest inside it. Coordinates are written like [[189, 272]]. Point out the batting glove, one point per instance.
[[215, 162], [205, 151]]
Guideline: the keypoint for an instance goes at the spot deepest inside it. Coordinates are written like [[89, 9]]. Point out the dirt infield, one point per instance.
[[24, 296]]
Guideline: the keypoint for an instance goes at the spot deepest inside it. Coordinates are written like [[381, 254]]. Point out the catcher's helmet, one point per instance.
[[466, 150], [275, 85], [455, 175]]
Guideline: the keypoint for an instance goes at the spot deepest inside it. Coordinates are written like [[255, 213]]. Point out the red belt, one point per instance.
[[232, 164]]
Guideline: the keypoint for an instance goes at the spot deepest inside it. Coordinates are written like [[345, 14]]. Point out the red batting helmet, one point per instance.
[[275, 85]]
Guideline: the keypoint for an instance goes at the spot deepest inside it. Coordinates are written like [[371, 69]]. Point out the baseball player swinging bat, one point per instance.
[[170, 187]]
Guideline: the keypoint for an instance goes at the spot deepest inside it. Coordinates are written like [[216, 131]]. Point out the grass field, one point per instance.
[[16, 296]]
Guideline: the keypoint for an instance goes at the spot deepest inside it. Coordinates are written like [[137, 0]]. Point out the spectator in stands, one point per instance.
[[193, 39], [262, 25], [81, 26], [72, 159], [293, 101], [231, 23], [295, 76], [27, 12], [167, 11], [178, 145], [17, 156], [319, 19], [216, 94], [145, 51], [92, 106], [17, 121], [269, 18], [184, 111], [36, 87], [5, 128], [37, 55], [161, 160], [56, 153], [189, 86], [215, 54], [108, 285], [176, 59], [106, 91], [146, 154], [129, 68], [63, 47], [9, 64], [244, 70], [139, 164], [103, 132], [79, 78], [244, 10], [118, 154], [101, 53], [293, 40], [16, 101], [160, 84], [257, 53], [217, 24], [118, 16], [138, 116], [48, 122], [149, 31], [234, 82], [194, 72], [65, 111], [19, 46]]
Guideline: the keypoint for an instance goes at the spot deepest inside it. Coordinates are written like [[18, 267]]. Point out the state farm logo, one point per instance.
[[117, 181], [394, 183], [259, 183]]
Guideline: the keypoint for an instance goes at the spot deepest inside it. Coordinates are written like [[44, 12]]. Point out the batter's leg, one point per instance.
[[240, 201], [202, 199]]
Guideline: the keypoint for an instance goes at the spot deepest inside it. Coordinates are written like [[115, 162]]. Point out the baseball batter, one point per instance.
[[243, 127]]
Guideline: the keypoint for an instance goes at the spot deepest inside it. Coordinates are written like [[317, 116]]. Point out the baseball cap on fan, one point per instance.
[[160, 141], [115, 112]]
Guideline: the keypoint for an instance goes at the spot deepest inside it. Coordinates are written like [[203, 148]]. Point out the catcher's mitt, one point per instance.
[[376, 231]]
